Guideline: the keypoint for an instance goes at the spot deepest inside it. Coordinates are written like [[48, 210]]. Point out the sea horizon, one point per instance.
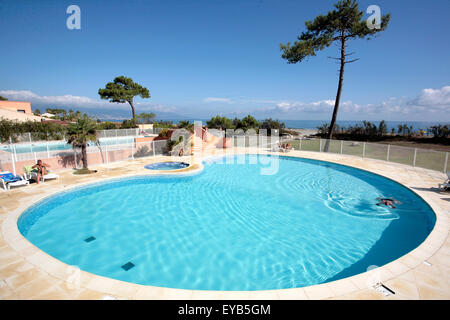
[[313, 124]]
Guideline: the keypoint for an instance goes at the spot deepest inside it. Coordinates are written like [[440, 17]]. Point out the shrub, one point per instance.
[[439, 131], [10, 129], [164, 133], [128, 124]]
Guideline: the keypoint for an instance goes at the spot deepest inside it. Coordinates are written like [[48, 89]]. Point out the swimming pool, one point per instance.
[[60, 145], [170, 165], [231, 227]]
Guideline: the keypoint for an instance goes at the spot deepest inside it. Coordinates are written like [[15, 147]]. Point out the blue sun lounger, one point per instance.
[[8, 180]]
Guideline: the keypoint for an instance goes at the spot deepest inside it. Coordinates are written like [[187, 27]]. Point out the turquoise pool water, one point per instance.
[[59, 145], [231, 227]]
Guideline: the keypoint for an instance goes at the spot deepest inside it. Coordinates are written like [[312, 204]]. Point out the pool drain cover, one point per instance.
[[381, 288], [127, 266], [91, 238]]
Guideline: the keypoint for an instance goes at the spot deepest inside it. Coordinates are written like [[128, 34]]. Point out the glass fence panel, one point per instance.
[[310, 144], [376, 151], [430, 159], [447, 167], [334, 146], [119, 145], [353, 148], [143, 149], [160, 147], [402, 155]]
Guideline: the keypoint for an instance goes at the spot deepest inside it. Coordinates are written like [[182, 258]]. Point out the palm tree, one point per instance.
[[80, 133]]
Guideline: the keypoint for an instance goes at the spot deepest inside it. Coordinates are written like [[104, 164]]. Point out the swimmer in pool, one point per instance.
[[388, 202]]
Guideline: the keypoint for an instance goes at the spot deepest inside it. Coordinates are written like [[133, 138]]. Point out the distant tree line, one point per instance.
[[371, 131], [246, 123]]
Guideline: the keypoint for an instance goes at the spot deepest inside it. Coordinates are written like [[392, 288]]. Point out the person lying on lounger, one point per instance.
[[388, 202], [41, 169]]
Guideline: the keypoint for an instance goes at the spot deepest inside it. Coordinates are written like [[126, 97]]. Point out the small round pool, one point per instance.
[[250, 222], [167, 165]]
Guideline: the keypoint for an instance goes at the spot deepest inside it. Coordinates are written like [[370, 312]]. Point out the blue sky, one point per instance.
[[202, 58]]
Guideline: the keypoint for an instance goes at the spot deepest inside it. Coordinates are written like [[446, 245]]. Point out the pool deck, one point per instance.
[[26, 272]]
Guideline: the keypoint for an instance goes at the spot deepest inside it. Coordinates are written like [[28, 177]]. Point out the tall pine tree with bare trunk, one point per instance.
[[340, 25]]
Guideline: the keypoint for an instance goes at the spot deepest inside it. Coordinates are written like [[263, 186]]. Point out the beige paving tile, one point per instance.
[[342, 287], [176, 294], [5, 290], [397, 267], [428, 293], [19, 280], [317, 292], [265, 295], [35, 288], [431, 280], [293, 294], [408, 276], [87, 294], [236, 295], [13, 269], [7, 258], [53, 293], [402, 287], [206, 295], [148, 293], [366, 294]]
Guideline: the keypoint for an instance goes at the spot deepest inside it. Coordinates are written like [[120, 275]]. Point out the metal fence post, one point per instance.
[[106, 151], [31, 147], [132, 150], [415, 155], [364, 150], [300, 146], [445, 163], [48, 152], [13, 164], [388, 150], [15, 152], [342, 145], [320, 145], [75, 157], [153, 147]]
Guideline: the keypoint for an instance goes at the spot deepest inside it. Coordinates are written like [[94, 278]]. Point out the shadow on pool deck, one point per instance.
[[432, 189]]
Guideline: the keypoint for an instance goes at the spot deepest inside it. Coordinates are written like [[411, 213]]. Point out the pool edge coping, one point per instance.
[[56, 268]]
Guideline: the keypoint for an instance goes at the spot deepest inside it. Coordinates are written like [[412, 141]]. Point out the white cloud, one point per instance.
[[318, 106], [433, 98], [215, 99], [67, 99], [71, 101], [428, 103]]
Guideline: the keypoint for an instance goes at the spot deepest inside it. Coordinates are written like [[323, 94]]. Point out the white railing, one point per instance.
[[416, 157], [119, 145]]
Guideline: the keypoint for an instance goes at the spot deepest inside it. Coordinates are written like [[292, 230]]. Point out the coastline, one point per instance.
[[304, 132]]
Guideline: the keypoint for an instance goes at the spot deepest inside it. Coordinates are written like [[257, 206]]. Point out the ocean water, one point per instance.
[[232, 226], [313, 124]]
